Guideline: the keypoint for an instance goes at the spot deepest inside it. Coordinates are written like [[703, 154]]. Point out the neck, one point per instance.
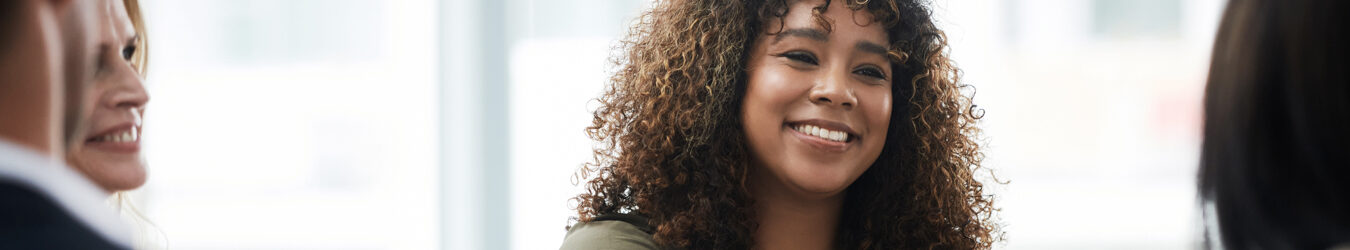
[[792, 221], [31, 85]]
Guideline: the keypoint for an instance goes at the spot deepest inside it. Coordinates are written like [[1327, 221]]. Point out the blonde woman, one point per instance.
[[107, 146], [110, 153]]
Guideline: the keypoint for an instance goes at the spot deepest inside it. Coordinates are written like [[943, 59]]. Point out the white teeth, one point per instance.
[[124, 136], [827, 134]]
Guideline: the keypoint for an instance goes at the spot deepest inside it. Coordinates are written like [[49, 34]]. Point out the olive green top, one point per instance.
[[616, 232]]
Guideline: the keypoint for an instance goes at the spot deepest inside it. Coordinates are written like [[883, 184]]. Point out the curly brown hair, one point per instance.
[[672, 147]]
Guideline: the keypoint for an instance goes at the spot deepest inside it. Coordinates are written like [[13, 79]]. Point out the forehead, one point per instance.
[[843, 21], [115, 17]]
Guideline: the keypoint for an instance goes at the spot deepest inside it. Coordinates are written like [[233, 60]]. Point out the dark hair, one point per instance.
[[1277, 126], [8, 12], [673, 149]]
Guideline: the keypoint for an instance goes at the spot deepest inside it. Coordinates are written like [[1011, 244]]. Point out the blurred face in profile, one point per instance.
[[817, 103], [108, 152], [45, 64]]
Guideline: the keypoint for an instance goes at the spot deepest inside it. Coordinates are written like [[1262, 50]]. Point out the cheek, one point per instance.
[[774, 85], [769, 93], [879, 116], [92, 97]]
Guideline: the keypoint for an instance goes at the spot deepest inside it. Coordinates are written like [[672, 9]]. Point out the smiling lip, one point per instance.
[[823, 144], [827, 124], [128, 146]]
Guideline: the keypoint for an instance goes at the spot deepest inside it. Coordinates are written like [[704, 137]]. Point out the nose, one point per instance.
[[834, 89], [126, 90]]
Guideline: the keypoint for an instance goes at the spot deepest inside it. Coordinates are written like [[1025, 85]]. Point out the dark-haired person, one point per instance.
[[1273, 172], [48, 51], [784, 125]]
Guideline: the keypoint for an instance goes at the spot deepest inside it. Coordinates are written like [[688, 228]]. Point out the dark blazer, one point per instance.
[[45, 204], [31, 220]]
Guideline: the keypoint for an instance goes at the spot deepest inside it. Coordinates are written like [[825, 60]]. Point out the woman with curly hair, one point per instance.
[[810, 124]]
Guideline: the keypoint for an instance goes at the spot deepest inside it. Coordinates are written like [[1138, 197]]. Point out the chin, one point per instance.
[[123, 177], [821, 180], [114, 176]]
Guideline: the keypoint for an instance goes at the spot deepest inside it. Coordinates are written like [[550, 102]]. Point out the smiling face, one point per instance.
[[817, 103], [110, 151]]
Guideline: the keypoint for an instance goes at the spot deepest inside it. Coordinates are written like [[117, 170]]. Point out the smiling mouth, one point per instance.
[[822, 133], [128, 135]]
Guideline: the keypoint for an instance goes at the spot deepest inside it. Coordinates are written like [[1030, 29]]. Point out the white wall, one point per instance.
[[292, 124]]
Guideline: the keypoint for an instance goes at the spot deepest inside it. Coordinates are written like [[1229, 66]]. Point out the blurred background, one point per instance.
[[422, 124]]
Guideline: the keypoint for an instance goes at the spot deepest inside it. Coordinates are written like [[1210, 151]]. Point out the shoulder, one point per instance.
[[45, 204], [610, 232], [30, 220]]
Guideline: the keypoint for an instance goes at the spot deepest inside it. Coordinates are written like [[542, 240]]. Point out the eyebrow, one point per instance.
[[813, 34], [871, 47], [818, 35]]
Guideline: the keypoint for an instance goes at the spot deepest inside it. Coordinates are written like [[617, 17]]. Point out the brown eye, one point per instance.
[[127, 52], [802, 57], [871, 72]]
